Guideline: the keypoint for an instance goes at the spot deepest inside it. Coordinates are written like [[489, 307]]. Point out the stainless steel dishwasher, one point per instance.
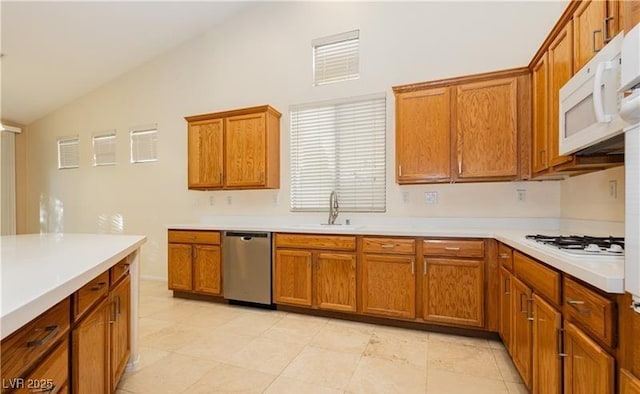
[[247, 266]]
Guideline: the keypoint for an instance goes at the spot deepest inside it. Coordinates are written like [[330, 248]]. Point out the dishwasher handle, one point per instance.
[[246, 236]]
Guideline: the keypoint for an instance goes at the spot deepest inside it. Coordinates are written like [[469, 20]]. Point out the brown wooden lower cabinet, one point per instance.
[[521, 342], [505, 323], [547, 364], [120, 334], [453, 291], [335, 287], [194, 262], [293, 270], [207, 269], [588, 368], [101, 342], [90, 354], [388, 285]]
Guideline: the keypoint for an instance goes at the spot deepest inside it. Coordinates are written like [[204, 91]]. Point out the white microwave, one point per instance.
[[590, 103]]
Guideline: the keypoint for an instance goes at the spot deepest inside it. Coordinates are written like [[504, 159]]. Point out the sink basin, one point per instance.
[[326, 227]]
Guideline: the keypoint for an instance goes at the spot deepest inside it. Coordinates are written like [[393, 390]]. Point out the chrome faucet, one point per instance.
[[333, 207]]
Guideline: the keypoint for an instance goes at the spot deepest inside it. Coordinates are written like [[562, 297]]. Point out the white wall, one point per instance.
[[590, 196], [263, 56]]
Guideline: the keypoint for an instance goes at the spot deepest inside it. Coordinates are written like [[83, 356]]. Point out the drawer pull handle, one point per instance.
[[98, 286], [507, 286], [504, 256], [387, 246], [574, 304], [53, 330], [452, 248], [530, 309], [126, 267], [113, 312], [561, 353], [47, 389]]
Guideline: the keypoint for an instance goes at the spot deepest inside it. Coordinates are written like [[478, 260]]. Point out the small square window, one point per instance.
[[336, 58], [68, 152], [104, 149], [144, 145]]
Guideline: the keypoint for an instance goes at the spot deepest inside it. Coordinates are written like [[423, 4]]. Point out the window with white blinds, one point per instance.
[[68, 152], [339, 145], [144, 145], [104, 149], [336, 58]]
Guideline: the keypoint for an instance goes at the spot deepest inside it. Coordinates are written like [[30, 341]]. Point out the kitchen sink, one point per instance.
[[326, 227]]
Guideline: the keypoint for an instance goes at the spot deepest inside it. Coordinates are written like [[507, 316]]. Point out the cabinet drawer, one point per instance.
[[453, 247], [52, 374], [118, 271], [595, 312], [544, 281], [90, 294], [333, 242], [505, 256], [195, 237], [389, 245], [25, 346]]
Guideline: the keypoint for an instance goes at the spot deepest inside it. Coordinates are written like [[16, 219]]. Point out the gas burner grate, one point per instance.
[[583, 244]]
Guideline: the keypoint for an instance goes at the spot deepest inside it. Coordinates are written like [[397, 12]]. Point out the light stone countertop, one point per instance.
[[39, 270], [605, 273]]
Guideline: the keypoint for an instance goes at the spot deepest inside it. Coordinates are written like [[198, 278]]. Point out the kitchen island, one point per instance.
[[52, 276]]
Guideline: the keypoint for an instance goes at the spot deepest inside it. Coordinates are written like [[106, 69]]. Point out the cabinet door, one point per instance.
[[540, 114], [293, 277], [547, 364], [588, 39], [631, 14], [205, 152], [486, 129], [90, 351], [453, 291], [423, 136], [522, 329], [587, 367], [245, 150], [505, 307], [560, 71], [207, 269], [388, 285], [120, 329], [180, 267], [336, 281]]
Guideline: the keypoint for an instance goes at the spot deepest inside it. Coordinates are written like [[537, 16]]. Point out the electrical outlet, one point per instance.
[[431, 197], [212, 200], [405, 197], [229, 200], [613, 189], [521, 195]]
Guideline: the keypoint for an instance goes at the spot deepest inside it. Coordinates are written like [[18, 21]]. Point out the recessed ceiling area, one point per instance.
[[55, 52]]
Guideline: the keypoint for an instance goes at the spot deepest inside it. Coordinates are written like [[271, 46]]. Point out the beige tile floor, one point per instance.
[[200, 347]]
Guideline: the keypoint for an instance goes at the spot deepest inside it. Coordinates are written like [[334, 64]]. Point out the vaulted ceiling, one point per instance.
[[55, 52]]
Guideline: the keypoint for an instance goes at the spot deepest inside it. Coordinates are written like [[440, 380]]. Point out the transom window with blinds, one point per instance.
[[339, 145], [336, 58], [68, 152], [104, 149]]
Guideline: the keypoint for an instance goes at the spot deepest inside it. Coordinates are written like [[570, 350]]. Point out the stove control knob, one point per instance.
[[615, 248], [592, 248]]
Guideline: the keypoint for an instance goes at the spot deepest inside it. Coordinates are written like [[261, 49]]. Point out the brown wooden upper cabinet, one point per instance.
[[486, 129], [581, 31], [237, 149], [595, 23], [463, 129]]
